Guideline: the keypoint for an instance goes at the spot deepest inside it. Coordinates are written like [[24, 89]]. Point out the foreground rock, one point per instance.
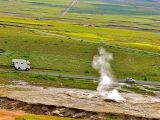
[[79, 103]]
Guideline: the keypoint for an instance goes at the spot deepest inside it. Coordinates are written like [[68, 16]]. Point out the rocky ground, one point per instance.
[[77, 103]]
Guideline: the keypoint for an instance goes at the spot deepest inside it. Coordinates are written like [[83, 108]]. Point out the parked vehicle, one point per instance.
[[130, 80], [21, 64]]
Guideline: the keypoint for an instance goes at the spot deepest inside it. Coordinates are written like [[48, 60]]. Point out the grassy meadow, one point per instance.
[[35, 30], [47, 81], [42, 117]]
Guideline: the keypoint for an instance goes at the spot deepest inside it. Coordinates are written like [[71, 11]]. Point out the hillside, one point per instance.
[[35, 30], [119, 7]]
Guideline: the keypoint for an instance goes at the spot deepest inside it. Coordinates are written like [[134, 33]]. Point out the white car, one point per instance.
[[21, 64], [130, 80]]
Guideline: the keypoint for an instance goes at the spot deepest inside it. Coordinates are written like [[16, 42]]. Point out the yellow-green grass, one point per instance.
[[85, 6], [139, 39], [73, 56], [138, 89], [47, 81], [42, 117], [46, 9], [151, 88], [45, 50]]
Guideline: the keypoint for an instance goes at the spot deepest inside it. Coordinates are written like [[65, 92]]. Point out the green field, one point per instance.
[[41, 117], [35, 30], [47, 81]]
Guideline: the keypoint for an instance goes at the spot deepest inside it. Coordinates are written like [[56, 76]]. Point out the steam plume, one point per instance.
[[105, 88], [73, 2]]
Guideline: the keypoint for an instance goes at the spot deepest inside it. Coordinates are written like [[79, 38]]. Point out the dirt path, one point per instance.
[[9, 115]]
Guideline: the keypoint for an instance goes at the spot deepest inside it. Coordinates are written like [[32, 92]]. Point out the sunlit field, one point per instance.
[[37, 31]]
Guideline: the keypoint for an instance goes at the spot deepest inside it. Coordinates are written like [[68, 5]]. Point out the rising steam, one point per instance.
[[73, 2], [105, 88]]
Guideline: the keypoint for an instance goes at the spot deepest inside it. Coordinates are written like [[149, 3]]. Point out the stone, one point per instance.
[[94, 117], [48, 113], [79, 115], [69, 113], [60, 111], [55, 112], [45, 109]]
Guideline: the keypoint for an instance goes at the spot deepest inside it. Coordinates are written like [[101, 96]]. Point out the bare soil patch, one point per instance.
[[10, 115]]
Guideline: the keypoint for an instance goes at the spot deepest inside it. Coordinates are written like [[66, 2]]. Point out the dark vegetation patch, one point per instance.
[[2, 51], [46, 4], [119, 9], [152, 88], [139, 90], [129, 27]]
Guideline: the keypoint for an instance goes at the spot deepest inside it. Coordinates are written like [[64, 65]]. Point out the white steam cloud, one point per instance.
[[105, 88], [73, 2]]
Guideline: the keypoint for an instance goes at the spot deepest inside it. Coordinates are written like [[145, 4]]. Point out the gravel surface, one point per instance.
[[87, 100]]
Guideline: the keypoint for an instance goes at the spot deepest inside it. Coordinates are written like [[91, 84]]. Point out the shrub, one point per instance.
[[44, 77], [145, 78], [70, 78], [86, 71]]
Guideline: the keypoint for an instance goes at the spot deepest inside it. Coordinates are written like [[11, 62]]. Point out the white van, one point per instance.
[[21, 64]]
